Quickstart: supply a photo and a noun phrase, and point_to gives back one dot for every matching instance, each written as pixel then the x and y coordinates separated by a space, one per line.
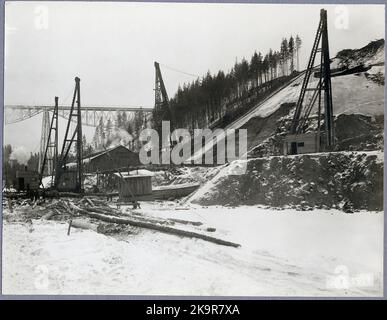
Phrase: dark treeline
pixel 203 101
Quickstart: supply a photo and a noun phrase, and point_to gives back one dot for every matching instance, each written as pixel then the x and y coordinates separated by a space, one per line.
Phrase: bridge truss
pixel 91 115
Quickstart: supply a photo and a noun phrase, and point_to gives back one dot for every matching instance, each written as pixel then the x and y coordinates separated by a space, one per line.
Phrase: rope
pixel 68 96
pixel 183 72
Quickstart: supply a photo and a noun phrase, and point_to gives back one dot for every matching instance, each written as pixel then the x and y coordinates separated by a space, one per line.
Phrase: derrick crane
pixel 161 96
pixel 50 145
pixel 162 107
pixel 72 138
pixel 323 90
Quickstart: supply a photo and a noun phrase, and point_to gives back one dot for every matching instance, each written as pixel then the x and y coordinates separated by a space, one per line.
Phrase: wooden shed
pixel 301 143
pixel 27 180
pixel 137 183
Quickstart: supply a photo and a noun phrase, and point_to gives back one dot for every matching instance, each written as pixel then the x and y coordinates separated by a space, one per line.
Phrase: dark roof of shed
pixel 100 153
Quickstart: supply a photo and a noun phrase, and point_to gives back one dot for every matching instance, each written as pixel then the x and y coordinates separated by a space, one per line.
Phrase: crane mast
pixel 322 91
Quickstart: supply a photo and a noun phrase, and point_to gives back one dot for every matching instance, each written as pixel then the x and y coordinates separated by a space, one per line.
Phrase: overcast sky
pixel 112 46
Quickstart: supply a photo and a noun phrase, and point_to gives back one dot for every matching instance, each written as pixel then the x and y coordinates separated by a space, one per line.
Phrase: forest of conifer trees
pixel 199 103
pixel 122 129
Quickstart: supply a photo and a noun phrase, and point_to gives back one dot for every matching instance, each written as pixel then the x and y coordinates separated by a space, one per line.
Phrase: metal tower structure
pixel 162 106
pixel 161 96
pixel 50 146
pixel 73 138
pixel 44 136
pixel 322 91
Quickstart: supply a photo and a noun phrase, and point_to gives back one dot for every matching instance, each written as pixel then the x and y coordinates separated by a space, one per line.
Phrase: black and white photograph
pixel 193 149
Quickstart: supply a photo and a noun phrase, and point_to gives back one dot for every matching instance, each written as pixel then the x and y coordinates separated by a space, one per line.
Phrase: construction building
pixel 301 143
pixel 135 183
pixel 26 180
pixel 110 160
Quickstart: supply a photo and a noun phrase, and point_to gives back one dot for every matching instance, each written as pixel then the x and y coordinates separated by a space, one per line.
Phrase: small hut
pixel 27 180
pixel 301 143
pixel 135 183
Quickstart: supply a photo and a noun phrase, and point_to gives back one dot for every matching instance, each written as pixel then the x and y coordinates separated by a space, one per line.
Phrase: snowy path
pixel 282 253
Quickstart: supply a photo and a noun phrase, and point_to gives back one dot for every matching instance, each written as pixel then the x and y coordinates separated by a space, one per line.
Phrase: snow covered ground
pixel 314 253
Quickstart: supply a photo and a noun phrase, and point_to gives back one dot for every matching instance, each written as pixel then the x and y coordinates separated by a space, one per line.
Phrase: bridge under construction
pixel 91 115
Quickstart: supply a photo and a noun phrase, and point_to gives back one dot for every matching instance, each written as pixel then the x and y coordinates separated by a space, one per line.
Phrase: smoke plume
pixel 119 137
pixel 20 154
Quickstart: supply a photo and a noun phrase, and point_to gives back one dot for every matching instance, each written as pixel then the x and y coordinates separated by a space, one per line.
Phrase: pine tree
pixel 7 150
pixel 284 56
pixel 124 120
pixel 254 69
pixel 270 63
pixel 33 161
pixel 260 67
pixel 298 46
pixel 291 53
pixel 138 122
pixel 84 144
pixel 265 67
pixel 244 74
pixel 277 61
pixel 109 129
pixel 96 138
pixel 118 121
pixel 129 128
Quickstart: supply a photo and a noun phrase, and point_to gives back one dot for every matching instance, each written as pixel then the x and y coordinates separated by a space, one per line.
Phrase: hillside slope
pixel 359 94
pixel 347 181
pixel 355 95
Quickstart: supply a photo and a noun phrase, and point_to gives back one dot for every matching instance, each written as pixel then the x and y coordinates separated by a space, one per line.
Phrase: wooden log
pixel 97 201
pixel 150 220
pixel 157 227
pixel 83 200
pixel 57 211
pixel 69 194
pixel 109 211
pixel 83 224
pixel 194 223
pixel 89 201
pixel 65 205
pixel 48 216
pixel 75 207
